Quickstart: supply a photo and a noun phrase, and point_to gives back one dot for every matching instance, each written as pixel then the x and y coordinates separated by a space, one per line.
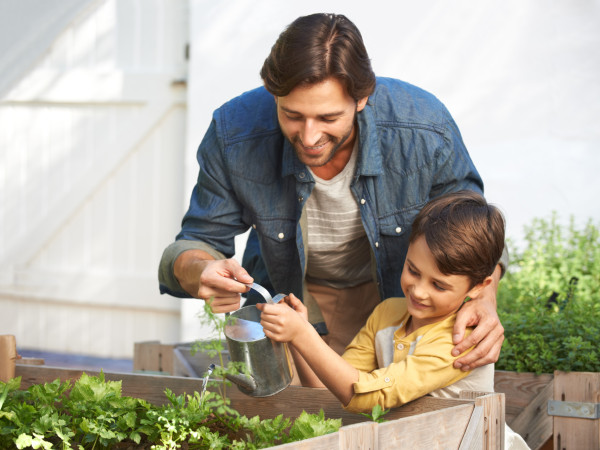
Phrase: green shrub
pixel 549 300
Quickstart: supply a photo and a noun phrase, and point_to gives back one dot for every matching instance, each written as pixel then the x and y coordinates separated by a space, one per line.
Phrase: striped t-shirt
pixel 338 249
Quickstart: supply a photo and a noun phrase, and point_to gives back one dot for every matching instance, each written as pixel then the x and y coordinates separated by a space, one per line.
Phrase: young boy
pixel 404 350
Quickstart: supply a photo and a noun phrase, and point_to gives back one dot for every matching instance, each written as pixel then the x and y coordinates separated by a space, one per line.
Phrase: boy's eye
pixel 412 271
pixel 439 288
pixel 328 120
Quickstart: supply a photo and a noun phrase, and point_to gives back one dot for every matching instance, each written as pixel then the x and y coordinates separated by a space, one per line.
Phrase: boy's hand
pixel 297 305
pixel 488 334
pixel 284 321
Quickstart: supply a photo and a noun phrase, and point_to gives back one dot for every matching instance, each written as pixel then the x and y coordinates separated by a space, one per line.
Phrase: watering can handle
pixel 262 291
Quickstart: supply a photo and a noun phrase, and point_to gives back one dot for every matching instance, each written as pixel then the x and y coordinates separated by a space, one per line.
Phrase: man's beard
pixel 337 143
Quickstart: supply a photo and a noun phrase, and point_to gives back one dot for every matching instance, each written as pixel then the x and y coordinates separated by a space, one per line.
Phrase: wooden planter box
pixel 426 423
pixel 557 410
pixel 527 395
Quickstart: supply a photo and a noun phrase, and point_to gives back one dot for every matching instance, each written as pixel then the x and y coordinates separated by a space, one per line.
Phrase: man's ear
pixel 475 290
pixel 360 105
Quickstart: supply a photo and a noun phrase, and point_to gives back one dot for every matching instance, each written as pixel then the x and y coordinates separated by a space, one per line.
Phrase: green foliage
pixel 376 414
pixel 215 347
pixel 549 300
pixel 92 414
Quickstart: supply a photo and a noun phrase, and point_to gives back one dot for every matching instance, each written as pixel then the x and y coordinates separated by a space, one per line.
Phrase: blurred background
pixel 104 102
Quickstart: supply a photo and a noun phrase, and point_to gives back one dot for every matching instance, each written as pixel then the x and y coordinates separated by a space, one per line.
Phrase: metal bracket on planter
pixel 574 409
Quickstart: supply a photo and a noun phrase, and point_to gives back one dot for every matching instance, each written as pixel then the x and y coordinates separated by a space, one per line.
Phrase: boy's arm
pixel 307 377
pixel 283 324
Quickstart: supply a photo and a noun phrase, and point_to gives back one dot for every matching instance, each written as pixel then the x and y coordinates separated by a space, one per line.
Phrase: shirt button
pixel 254 226
pixel 398 229
pixel 362 201
pixel 280 235
pixel 386 379
pixel 377 244
pixel 300 199
pixel 302 175
pixel 400 346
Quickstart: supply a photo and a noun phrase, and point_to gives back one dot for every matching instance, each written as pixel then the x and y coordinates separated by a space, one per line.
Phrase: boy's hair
pixel 464 233
pixel 314 48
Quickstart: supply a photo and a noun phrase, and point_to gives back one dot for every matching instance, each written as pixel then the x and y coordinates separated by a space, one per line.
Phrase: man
pixel 328 165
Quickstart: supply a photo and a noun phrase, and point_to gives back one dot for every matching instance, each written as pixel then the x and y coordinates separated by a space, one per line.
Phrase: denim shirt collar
pixel 369 158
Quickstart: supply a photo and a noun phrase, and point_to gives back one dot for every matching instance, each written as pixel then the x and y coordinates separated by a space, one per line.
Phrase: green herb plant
pixel 215 348
pixel 376 414
pixel 92 414
pixel 549 300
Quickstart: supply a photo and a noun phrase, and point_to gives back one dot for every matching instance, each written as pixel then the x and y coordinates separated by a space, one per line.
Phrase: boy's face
pixel 431 296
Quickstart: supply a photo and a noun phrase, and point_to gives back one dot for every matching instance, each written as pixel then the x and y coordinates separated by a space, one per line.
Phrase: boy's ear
pixel 475 290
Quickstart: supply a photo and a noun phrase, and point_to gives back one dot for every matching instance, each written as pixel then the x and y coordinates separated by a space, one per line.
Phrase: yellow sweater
pixel 395 369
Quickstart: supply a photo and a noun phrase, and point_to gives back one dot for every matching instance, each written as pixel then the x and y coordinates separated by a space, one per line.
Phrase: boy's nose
pixel 419 292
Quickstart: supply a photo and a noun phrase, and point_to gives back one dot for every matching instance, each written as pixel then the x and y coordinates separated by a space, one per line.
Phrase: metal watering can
pixel 268 362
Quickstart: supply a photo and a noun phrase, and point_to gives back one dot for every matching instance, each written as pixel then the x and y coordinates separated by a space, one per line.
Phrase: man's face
pixel 318 120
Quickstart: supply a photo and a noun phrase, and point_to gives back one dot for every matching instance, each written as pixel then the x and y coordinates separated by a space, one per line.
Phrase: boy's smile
pixel 431 295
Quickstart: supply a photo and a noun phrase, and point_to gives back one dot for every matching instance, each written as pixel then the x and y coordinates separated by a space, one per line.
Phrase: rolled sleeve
pixel 168 283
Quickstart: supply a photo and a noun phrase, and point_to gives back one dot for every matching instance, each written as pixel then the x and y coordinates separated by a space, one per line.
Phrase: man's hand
pixel 488 334
pixel 221 281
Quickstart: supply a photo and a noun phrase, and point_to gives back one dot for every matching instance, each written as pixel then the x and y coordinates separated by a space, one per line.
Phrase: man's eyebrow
pixel 331 114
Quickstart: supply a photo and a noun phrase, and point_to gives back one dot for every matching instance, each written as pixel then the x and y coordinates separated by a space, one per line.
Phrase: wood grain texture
pixel 570 432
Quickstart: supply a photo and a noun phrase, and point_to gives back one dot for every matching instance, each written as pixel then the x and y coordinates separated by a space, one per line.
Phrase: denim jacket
pixel 410 150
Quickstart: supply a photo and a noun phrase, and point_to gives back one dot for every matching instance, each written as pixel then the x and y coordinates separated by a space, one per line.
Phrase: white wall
pixel 91 156
pixel 521 78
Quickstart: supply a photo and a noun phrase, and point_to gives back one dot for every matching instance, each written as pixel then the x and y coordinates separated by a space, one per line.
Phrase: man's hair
pixel 464 233
pixel 314 48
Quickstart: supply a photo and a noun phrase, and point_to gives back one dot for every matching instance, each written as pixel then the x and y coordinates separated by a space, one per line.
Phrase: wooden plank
pixel 32 361
pixel 442 429
pixel 152 356
pixel 570 432
pixel 520 389
pixel 360 436
pixel 534 424
pixel 474 438
pixel 290 402
pixel 493 411
pixel 8 356
pixel 327 442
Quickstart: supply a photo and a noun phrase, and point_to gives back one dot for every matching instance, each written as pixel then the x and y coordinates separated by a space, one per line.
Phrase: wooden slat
pixel 442 429
pixel 153 356
pixel 8 356
pixel 474 438
pixel 520 389
pixel 327 442
pixel 493 410
pixel 570 432
pixel 534 424
pixel 360 436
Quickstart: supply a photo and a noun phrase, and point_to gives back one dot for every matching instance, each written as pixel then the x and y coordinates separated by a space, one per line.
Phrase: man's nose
pixel 310 133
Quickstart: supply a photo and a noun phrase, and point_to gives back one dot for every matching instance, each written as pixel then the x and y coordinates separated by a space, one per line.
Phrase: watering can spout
pixel 246 382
